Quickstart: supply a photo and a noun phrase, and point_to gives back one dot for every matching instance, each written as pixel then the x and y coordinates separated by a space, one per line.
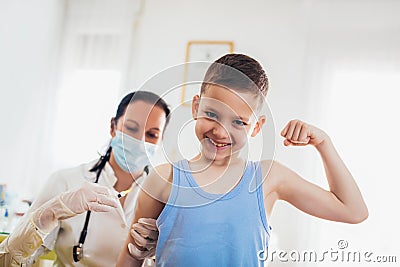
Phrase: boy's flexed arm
pixel 151 201
pixel 343 202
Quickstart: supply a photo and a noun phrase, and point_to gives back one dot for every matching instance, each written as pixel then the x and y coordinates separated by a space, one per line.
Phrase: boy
pixel 214 215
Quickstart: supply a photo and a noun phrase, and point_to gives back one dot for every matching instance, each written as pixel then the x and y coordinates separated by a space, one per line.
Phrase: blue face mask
pixel 131 154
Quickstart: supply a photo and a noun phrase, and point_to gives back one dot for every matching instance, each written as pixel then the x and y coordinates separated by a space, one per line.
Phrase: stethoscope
pixel 77 250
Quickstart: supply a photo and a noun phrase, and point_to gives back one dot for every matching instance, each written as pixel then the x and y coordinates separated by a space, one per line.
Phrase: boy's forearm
pixel 341 182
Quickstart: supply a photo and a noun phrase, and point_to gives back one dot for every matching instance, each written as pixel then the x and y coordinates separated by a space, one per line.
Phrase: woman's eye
pixel 132 129
pixel 153 135
pixel 211 115
pixel 239 123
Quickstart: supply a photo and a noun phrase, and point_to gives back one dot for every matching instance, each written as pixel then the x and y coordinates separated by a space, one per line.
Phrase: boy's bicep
pixel 154 193
pixel 304 195
pixel 147 207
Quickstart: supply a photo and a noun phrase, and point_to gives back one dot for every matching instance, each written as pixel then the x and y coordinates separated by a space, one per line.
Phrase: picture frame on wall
pixel 199 55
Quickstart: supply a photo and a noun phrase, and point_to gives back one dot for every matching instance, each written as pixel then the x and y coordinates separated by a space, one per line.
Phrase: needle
pixel 124 193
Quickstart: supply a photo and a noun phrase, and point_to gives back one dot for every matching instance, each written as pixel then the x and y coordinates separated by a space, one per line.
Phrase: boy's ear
pixel 195 106
pixel 259 124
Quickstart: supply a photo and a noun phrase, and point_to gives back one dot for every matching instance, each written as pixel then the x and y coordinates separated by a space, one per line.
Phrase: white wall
pixel 29 40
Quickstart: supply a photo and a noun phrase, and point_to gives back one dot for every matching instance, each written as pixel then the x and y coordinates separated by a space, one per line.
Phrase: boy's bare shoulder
pixel 267 166
pixel 158 182
pixel 164 170
pixel 271 167
pixel 276 174
pixel 271 173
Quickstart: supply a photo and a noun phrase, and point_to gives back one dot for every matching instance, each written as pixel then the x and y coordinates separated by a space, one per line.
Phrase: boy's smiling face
pixel 225 120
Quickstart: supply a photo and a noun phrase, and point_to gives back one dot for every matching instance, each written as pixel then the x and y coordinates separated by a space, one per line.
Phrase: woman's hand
pixel 89 196
pixel 299 133
pixel 145 235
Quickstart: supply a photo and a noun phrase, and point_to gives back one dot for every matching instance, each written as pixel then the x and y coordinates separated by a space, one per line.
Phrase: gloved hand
pixel 145 235
pixel 89 196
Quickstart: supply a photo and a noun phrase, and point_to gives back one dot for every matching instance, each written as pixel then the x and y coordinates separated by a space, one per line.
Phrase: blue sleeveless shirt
pixel 197 228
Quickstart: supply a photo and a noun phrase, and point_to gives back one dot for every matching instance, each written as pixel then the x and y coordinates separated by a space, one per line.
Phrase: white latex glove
pixel 145 235
pixel 89 196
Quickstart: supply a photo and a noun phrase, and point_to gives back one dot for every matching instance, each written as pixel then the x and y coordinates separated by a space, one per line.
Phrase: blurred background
pixel 65 64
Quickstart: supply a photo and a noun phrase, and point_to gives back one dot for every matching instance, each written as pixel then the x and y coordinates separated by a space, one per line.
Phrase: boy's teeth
pixel 218 145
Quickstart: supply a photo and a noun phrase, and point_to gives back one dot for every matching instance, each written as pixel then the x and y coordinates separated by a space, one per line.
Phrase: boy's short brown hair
pixel 237 72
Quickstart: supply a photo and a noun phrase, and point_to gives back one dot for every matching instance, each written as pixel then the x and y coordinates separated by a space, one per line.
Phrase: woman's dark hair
pixel 144 96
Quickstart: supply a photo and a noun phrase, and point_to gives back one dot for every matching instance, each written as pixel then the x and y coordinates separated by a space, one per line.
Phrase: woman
pixel 61 216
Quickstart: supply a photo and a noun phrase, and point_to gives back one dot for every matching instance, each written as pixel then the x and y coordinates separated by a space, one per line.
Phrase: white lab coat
pixel 107 231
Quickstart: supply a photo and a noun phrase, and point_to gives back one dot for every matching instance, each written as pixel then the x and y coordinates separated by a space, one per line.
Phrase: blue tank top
pixel 197 228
